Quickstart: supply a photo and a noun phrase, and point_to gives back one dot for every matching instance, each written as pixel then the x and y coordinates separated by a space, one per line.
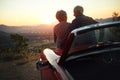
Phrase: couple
pixel 63 28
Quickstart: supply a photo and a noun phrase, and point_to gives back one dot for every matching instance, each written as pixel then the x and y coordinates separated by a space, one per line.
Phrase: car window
pixel 88 39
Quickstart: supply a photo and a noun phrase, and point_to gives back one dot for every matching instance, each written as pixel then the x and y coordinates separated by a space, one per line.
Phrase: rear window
pixel 86 40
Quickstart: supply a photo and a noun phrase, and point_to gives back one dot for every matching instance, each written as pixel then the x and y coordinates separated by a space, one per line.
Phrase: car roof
pixel 94 26
pixel 82 30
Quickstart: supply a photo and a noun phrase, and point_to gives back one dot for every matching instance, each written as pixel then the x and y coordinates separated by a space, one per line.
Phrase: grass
pixel 50 45
pixel 22 66
pixel 9 56
pixel 21 58
pixel 19 66
pixel 17 70
pixel 26 56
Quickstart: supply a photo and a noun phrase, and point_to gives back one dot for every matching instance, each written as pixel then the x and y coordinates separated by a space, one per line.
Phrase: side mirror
pixel 40 65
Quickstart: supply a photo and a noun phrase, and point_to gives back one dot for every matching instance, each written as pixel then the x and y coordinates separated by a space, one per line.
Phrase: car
pixel 90 52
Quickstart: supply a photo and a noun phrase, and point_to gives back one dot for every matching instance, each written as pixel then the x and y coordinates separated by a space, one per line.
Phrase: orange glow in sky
pixel 32 12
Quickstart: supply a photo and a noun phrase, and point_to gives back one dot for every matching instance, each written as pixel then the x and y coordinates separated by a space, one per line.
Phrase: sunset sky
pixel 34 12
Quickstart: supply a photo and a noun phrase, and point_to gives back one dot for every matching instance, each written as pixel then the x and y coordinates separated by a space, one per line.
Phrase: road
pixel 15 70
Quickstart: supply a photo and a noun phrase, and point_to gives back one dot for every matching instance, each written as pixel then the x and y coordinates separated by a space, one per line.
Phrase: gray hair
pixel 79 9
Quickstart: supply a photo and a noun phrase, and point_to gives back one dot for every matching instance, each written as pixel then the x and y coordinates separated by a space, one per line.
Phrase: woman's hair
pixel 61 15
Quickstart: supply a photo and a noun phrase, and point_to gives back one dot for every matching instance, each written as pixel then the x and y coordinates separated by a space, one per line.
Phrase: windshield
pixel 93 38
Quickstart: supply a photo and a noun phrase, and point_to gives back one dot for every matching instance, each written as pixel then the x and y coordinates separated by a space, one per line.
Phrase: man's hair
pixel 60 15
pixel 79 9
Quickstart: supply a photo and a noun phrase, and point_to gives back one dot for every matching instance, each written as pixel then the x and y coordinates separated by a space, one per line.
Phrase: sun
pixel 48 21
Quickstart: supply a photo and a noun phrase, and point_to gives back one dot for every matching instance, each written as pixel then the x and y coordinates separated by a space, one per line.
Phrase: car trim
pixel 92 53
pixel 66 47
pixel 53 60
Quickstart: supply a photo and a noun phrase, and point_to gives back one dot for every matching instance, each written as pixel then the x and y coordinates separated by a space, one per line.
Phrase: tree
pixel 21 43
pixel 115 16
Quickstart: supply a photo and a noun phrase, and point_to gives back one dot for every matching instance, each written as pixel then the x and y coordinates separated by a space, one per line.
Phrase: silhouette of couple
pixel 63 28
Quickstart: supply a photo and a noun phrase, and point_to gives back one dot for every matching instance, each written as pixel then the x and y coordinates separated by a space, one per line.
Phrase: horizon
pixel 52 24
pixel 36 12
pixel 35 25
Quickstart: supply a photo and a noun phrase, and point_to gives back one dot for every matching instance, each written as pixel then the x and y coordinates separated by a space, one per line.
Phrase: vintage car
pixel 90 53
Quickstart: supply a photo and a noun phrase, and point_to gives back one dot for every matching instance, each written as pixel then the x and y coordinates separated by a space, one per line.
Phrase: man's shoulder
pixel 90 19
pixel 85 17
pixel 81 18
pixel 82 21
pixel 59 25
pixel 62 24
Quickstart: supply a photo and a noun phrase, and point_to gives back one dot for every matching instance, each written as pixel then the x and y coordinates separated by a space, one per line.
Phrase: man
pixel 79 21
pixel 61 28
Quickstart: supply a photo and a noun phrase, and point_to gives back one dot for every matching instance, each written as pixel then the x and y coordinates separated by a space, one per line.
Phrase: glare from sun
pixel 48 21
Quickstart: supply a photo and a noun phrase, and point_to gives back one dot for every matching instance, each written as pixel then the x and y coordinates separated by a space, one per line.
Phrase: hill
pixel 5 41
pixel 37 35
pixel 43 29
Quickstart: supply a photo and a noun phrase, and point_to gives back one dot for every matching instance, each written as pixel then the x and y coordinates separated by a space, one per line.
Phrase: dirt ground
pixel 17 70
